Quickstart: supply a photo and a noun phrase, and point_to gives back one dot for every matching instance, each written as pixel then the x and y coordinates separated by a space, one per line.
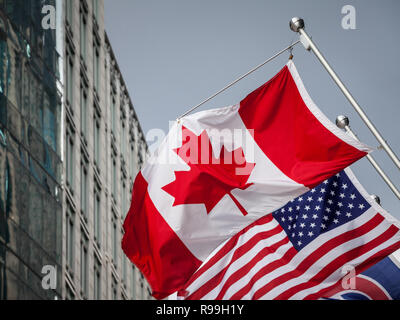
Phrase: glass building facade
pixel 30 163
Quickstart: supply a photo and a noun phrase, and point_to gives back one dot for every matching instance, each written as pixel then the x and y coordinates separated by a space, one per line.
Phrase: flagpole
pixel 238 79
pixel 343 123
pixel 297 25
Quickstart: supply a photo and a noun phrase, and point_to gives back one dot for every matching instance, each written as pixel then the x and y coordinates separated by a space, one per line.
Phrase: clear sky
pixel 173 54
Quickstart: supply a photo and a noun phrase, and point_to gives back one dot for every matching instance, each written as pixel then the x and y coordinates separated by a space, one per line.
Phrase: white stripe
pixel 241 283
pixel 219 265
pixel 328 258
pixel 247 257
pixel 337 275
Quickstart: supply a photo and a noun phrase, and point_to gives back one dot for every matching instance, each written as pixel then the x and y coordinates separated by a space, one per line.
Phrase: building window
pixel 123 138
pixel 84 190
pixel 69 159
pixel 124 270
pixel 124 204
pixel 69 293
pixel 95 8
pixel 133 283
pixel 97 280
pixel 132 162
pixel 69 10
pixel 84 113
pixel 84 266
pixel 83 36
pixel 114 239
pixel 96 143
pixel 113 117
pixel 114 178
pixel 69 80
pixel 114 289
pixel 70 219
pixel 96 68
pixel 97 216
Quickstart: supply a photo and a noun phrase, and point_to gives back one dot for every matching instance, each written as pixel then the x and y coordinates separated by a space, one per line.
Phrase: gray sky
pixel 175 53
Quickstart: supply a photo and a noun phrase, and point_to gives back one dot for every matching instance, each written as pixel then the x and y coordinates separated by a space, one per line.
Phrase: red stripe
pixel 246 269
pixel 232 242
pixel 303 149
pixel 239 252
pixel 318 253
pixel 153 246
pixel 338 262
pixel 326 292
pixel 286 258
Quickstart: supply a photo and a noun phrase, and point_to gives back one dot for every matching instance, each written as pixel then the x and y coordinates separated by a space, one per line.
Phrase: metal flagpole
pixel 238 79
pixel 343 123
pixel 297 25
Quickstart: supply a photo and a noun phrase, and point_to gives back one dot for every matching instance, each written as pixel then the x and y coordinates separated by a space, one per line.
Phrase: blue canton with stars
pixel 332 203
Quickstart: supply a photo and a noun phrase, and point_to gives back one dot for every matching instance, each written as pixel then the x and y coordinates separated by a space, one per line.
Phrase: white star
pixel 300 199
pixel 361 206
pixel 283 210
pixel 294 226
pixel 290 209
pixel 309 199
pixel 300 234
pixel 327 209
pixel 323 226
pixel 313 190
pixel 337 213
pixel 297 207
pixel 289 227
pixel 305 216
pixel 353 196
pixel 315 216
pixel 342 195
pixel 348 214
pixel 330 201
pixel 310 234
pixel 302 225
pixel 335 184
pixel 320 199
pixel 344 186
pixel 336 221
pixel 312 225
pixel 290 218
pixel 323 190
pixel 350 206
pixel 332 193
pixel 283 219
pixel 338 175
pixel 317 208
pixel 307 208
pixel 326 182
pixel 293 234
pixel 325 218
pixel 299 243
pixel 340 204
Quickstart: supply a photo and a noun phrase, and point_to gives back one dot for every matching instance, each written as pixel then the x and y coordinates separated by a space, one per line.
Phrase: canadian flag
pixel 220 170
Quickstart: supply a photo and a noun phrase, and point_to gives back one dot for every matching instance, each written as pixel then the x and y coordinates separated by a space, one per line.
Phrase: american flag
pixel 299 251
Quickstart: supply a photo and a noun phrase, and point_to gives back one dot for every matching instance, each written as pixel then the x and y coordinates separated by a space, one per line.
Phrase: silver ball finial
pixel 376 198
pixel 296 24
pixel 342 122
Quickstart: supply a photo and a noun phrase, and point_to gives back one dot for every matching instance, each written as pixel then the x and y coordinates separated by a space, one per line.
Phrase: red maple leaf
pixel 209 178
